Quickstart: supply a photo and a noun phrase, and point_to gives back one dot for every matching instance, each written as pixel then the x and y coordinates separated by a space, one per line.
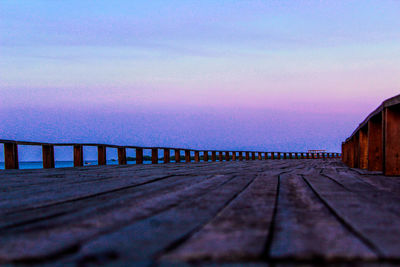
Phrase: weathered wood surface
pixel 267 212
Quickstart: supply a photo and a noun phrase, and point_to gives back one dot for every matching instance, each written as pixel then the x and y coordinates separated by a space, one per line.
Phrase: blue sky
pixel 280 75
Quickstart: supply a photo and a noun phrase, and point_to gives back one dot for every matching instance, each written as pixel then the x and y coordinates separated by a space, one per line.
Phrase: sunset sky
pixel 262 75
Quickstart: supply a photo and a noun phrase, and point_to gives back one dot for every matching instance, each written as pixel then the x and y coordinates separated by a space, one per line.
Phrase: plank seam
pixel 268 244
pixel 347 225
pixel 74 200
pixel 183 239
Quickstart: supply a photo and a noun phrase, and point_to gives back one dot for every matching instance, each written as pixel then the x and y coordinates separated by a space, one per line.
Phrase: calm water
pixel 63 164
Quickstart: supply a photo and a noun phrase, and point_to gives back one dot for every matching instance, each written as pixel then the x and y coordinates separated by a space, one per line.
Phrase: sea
pixel 64 164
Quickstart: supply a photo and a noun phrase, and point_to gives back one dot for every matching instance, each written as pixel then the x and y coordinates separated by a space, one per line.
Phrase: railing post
pixel 259 156
pixel 363 148
pixel 296 155
pixel 121 155
pixel 177 155
pixel 101 155
pixel 48 156
pixel 139 155
pixel 197 156
pixel 220 156
pixel 356 150
pixel 247 155
pixel 78 155
pixel 205 156
pixel 343 152
pixel 351 153
pixel 11 156
pixel 227 156
pixel 375 144
pixel 240 155
pixel 253 155
pixel 213 156
pixel 391 141
pixel 187 155
pixel 167 155
pixel 272 155
pixel 290 155
pixel 233 155
pixel 154 156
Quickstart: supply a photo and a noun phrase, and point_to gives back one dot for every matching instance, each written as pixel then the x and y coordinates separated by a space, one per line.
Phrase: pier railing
pixel 12 162
pixel 375 144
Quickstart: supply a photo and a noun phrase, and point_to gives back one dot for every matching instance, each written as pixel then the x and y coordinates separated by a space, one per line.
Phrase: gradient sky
pixel 270 75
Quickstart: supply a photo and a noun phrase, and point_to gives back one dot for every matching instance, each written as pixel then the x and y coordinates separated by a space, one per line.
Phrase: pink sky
pixel 298 76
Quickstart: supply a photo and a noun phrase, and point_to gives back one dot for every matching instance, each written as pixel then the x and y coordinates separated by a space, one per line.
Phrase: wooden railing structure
pixel 375 144
pixel 12 162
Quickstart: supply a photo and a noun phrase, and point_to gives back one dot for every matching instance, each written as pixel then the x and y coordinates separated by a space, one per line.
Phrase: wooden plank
pixel 102 155
pixel 365 218
pixel 48 156
pixel 71 185
pixel 313 230
pixel 253 155
pixel 234 156
pixel 108 214
pixel 239 232
pixel 137 242
pixel 46 214
pixel 240 156
pixel 11 156
pixel 197 156
pixel 247 155
pixel 259 156
pixel 353 181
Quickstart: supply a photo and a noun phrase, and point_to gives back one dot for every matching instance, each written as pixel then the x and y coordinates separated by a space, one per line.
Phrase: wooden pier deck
pixel 262 212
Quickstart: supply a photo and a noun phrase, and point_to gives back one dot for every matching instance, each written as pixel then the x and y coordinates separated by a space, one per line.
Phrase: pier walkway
pixel 268 212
